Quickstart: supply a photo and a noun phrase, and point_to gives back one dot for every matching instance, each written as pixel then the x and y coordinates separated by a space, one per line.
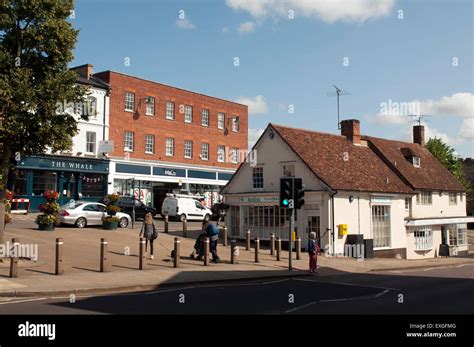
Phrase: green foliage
pixel 46 219
pixel 36 43
pixel 445 154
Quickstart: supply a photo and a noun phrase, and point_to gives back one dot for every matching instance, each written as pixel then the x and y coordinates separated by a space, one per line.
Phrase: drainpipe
pixel 333 226
pixel 358 213
pixel 103 122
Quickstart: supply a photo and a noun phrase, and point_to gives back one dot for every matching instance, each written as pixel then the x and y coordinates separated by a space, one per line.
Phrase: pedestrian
pixel 149 231
pixel 213 233
pixel 313 249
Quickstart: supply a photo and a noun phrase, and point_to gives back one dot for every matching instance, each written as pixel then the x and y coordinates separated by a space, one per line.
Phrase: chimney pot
pixel 419 134
pixel 350 128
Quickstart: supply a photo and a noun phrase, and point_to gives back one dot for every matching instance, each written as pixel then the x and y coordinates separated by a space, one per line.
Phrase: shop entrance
pixel 313 224
pixel 159 194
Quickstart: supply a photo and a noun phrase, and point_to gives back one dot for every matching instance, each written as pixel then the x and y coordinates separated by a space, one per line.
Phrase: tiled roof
pixel 92 81
pixel 325 155
pixel 430 175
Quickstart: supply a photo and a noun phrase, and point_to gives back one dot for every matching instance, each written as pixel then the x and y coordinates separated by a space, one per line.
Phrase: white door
pixel 312 222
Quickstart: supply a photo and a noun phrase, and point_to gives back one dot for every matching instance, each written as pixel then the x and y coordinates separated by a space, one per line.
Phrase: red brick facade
pixel 141 124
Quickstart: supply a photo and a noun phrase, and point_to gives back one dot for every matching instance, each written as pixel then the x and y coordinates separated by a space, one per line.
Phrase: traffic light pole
pixel 290 239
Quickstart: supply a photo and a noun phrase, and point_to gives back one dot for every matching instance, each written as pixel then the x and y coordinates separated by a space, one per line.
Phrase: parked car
pixel 126 204
pixel 82 214
pixel 185 208
pixel 219 211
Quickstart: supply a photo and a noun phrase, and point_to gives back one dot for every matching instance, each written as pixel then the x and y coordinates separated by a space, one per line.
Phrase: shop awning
pixel 438 221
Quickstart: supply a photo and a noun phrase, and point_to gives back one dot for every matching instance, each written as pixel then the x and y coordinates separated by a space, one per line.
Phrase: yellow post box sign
pixel 342 229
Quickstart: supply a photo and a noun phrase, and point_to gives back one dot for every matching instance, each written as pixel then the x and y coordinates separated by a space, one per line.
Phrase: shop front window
pixel 43 181
pixel 20 187
pixel 92 186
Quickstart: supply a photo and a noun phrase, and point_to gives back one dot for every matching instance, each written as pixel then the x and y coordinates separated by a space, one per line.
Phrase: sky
pixel 391 58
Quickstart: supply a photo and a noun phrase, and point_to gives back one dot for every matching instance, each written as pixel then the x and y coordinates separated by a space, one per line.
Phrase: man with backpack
pixel 213 233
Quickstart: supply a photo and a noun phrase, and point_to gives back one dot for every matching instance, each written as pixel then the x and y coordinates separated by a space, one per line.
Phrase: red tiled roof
pixel 430 175
pixel 324 154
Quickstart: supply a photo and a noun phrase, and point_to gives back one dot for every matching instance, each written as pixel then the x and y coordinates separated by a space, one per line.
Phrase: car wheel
pixel 182 218
pixel 123 222
pixel 207 217
pixel 81 222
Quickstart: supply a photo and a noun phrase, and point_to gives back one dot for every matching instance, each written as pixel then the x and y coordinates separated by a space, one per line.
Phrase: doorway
pixel 313 224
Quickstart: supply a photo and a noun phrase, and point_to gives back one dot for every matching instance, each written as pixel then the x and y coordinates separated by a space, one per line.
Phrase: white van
pixel 184 207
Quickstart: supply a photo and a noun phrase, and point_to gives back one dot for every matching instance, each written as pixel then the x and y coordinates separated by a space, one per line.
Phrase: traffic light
pixel 298 193
pixel 286 192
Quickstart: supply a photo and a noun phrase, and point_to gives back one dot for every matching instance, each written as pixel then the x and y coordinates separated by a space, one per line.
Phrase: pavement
pixel 81 263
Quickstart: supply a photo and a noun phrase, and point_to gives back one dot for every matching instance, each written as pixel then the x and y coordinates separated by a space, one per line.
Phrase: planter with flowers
pixel 110 222
pixel 50 208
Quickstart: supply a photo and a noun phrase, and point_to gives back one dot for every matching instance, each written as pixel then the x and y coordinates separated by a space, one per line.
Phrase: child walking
pixel 149 231
pixel 313 249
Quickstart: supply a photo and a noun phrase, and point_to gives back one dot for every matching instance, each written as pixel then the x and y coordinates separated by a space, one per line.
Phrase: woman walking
pixel 313 249
pixel 149 231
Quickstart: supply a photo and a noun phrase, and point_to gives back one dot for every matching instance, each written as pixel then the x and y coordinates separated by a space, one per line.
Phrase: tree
pixel 36 43
pixel 445 154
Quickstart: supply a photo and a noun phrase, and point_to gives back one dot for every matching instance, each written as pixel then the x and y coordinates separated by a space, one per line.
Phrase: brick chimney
pixel 350 128
pixel 86 70
pixel 419 134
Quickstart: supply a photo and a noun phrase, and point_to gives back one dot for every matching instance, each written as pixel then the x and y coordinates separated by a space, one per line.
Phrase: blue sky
pixel 424 59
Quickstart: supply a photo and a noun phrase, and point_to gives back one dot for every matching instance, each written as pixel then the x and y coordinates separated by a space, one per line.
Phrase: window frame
pixel 425 197
pixel 186 114
pixel 223 154
pixel 235 124
pixel 170 109
pixel 382 225
pixel 257 177
pixel 416 161
pixel 188 148
pixel 147 104
pixel 205 124
pixel 236 151
pixel 424 240
pixel 203 145
pixel 90 142
pixel 152 137
pixel 219 120
pixel 125 148
pixel 167 147
pixel 132 109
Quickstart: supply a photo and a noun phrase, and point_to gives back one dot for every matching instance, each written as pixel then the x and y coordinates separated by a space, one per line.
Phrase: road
pixel 421 291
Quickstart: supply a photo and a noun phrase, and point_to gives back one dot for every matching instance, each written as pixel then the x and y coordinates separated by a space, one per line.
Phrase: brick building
pixel 169 139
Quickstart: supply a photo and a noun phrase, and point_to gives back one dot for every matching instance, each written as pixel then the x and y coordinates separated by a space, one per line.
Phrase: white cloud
pixel 327 10
pixel 387 119
pixel 467 130
pixel 459 104
pixel 185 23
pixel 246 27
pixel 225 29
pixel 254 135
pixel 256 104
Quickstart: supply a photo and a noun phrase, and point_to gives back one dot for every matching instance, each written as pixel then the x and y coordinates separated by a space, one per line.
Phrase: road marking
pixel 448 266
pixel 347 284
pixel 336 300
pixel 20 301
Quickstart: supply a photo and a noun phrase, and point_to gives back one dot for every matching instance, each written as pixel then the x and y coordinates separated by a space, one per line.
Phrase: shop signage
pixel 171 172
pixel 259 199
pixel 65 164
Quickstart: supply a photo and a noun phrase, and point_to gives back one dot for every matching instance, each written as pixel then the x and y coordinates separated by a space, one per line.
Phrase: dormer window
pixel 416 161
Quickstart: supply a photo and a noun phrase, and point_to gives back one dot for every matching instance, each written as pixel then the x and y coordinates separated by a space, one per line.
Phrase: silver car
pixel 82 213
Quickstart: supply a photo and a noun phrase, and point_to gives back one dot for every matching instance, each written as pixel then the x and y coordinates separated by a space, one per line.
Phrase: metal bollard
pixel 59 257
pixel 185 228
pixel 257 249
pixel 272 244
pixel 166 224
pixel 141 253
pixel 247 240
pixel 233 251
pixel 176 252
pixel 278 248
pixel 103 255
pixel 206 251
pixel 224 237
pixel 14 258
pixel 298 248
